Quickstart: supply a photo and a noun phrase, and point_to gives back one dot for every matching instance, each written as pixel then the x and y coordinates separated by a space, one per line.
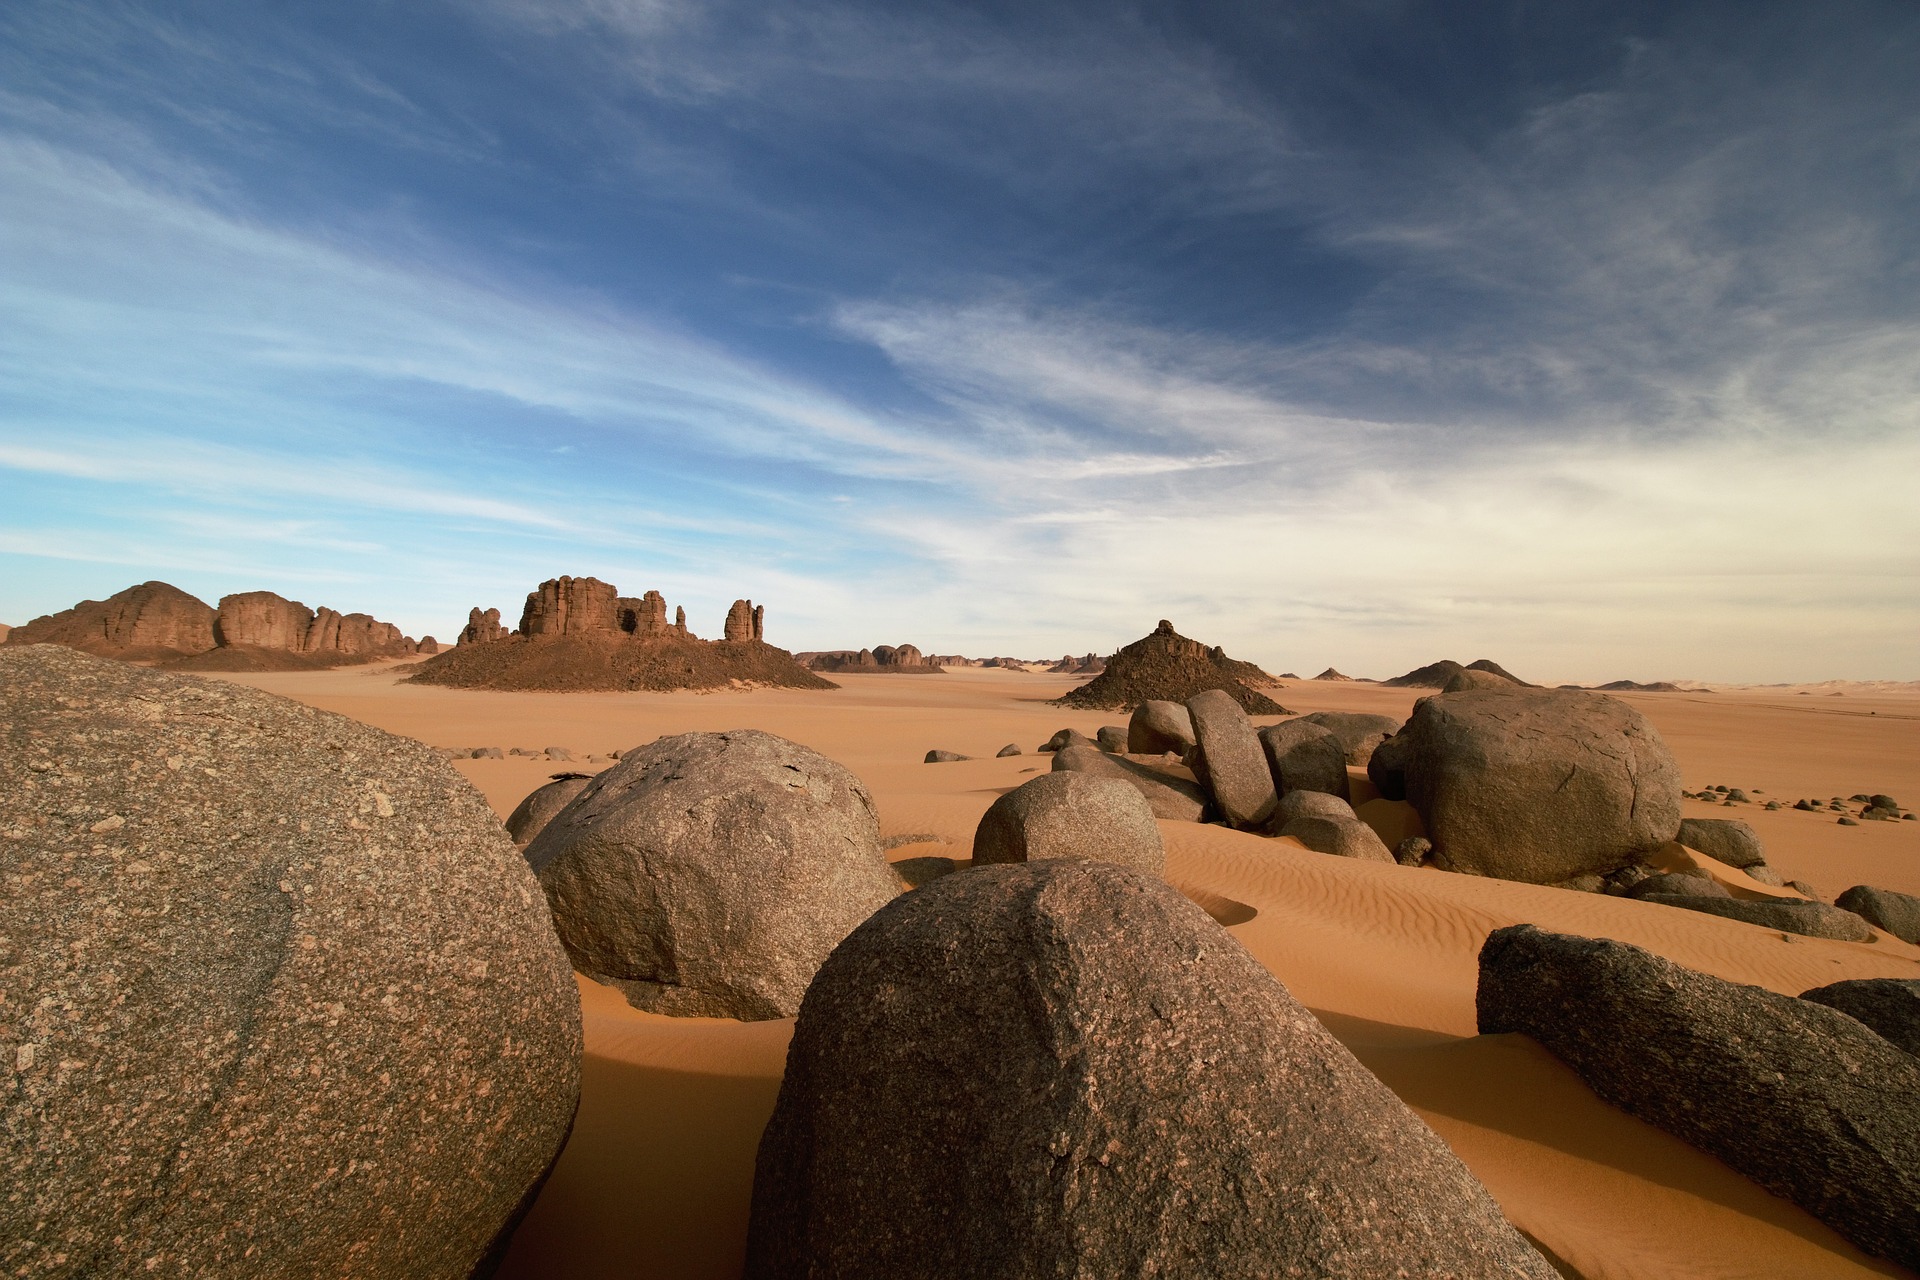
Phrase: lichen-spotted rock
pixel 281 997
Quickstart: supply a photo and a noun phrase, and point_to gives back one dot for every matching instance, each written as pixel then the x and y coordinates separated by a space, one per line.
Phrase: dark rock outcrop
pixel 1068 1069
pixel 531 816
pixel 1788 915
pixel 1897 913
pixel 1168 795
pixel 282 998
pixel 1070 814
pixel 1727 840
pixel 1804 1100
pixel 1538 785
pixel 1304 757
pixel 709 874
pixel 1889 1006
pixel 1169 667
pixel 1229 760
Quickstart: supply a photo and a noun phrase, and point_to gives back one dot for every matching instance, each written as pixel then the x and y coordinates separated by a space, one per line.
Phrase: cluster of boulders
pixel 281 997
pixel 556 754
pixel 157 624
pixel 1872 808
pixel 1812 1098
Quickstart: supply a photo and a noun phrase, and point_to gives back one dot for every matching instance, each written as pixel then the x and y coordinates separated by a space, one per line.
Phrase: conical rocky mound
pixel 1435 675
pixel 580 635
pixel 1169 667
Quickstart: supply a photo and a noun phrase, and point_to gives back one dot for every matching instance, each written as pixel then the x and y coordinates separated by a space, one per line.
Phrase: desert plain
pixel 656 1177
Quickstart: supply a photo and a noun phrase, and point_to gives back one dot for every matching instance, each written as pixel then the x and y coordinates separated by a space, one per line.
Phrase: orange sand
pixel 656 1179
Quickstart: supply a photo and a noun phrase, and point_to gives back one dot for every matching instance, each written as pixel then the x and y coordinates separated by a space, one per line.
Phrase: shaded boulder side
pixel 1070 814
pixel 531 816
pixel 1159 726
pixel 1068 1069
pixel 1304 757
pixel 1359 732
pixel 1727 840
pixel 1802 1099
pixel 709 874
pixel 1539 785
pixel 1339 837
pixel 1889 1006
pixel 1789 915
pixel 253 946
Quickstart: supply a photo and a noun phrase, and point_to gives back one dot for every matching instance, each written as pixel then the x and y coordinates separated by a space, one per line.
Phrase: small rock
pixel 1413 851
pixel 1847 822
pixel 1011 749
pixel 1883 802
pixel 944 757
pixel 1067 738
pixel 1675 883
pixel 1765 875
pixel 1737 796
pixel 489 753
pixel 560 754
pixel 1112 738
pixel 1070 814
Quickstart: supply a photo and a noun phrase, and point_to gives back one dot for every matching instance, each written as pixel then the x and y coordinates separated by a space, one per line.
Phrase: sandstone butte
pixel 156 624
pixel 886 659
pixel 581 635
pixel 1169 667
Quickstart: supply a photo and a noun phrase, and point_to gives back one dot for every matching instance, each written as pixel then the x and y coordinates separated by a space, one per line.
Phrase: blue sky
pixel 1583 336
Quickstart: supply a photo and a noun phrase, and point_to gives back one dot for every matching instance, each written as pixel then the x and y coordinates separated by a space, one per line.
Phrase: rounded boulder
pixel 1071 814
pixel 531 815
pixel 709 874
pixel 282 997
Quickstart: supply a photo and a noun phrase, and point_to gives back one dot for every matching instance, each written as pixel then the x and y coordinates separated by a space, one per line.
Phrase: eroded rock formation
pixel 153 621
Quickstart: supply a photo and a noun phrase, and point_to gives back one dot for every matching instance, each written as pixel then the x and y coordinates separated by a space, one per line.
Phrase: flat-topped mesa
pixel 567 606
pixel 482 628
pixel 1167 666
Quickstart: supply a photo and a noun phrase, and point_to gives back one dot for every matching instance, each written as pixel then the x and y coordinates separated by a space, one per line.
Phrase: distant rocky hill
pixel 1091 664
pixel 1436 674
pixel 157 624
pixel 1166 665
pixel 581 635
pixel 902 659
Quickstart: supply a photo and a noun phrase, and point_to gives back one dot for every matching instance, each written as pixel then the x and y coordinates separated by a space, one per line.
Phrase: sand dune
pixel 655 1181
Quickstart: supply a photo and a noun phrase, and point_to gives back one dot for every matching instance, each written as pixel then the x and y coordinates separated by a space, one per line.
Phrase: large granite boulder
pixel 531 816
pixel 1804 1100
pixel 281 997
pixel 1727 840
pixel 709 874
pixel 1897 913
pixel 1890 1006
pixel 1230 762
pixel 1070 814
pixel 1540 785
pixel 1168 795
pixel 1304 757
pixel 1067 1069
pixel 1359 732
pixel 1158 726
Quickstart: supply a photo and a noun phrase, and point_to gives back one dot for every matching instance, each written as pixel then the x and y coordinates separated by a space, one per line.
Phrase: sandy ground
pixel 656 1179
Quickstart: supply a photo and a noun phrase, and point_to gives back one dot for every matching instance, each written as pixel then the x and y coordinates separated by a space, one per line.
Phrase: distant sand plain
pixel 656 1178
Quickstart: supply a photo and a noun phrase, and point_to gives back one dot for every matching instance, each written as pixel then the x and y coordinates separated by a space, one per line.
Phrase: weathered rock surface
pixel 152 621
pixel 937 756
pixel 1304 757
pixel 530 817
pixel 1387 766
pixel 1301 804
pixel 1068 738
pixel 1112 738
pixel 567 606
pixel 1341 837
pixel 263 619
pixel 1230 762
pixel 1168 795
pixel 1412 851
pixel 881 659
pixel 1806 1101
pixel 1011 749
pixel 1068 1069
pixel 709 874
pixel 1727 840
pixel 1171 668
pixel 482 627
pixel 1071 814
pixel 1671 884
pixel 1889 1006
pixel 1539 785
pixel 1810 919
pixel 739 623
pixel 282 999
pixel 1158 726
pixel 1897 913
pixel 1467 678
pixel 1359 732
